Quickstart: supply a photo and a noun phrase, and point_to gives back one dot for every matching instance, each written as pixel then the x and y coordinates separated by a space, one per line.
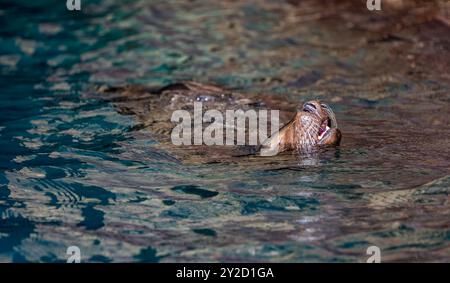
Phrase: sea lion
pixel 312 127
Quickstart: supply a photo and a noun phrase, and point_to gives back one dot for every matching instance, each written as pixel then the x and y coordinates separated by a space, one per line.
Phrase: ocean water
pixel 75 171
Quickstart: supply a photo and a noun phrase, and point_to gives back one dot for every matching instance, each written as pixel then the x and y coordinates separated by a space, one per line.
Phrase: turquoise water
pixel 75 171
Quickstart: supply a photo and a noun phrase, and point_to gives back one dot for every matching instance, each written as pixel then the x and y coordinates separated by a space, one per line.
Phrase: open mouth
pixel 327 123
pixel 324 129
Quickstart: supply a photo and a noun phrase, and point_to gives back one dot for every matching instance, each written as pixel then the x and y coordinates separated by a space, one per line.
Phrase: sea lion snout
pixel 317 108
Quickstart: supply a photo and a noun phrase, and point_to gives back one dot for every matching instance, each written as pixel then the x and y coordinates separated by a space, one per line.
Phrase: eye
pixel 325 105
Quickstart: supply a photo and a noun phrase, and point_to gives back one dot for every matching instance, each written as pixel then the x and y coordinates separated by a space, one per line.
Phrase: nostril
pixel 309 107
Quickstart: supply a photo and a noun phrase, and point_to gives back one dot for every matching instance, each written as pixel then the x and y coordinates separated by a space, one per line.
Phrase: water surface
pixel 75 171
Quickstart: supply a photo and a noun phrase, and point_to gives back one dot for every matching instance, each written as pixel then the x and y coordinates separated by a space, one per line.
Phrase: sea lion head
pixel 317 125
pixel 313 126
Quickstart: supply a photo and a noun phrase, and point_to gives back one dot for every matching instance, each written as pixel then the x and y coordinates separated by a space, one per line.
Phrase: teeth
pixel 324 132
